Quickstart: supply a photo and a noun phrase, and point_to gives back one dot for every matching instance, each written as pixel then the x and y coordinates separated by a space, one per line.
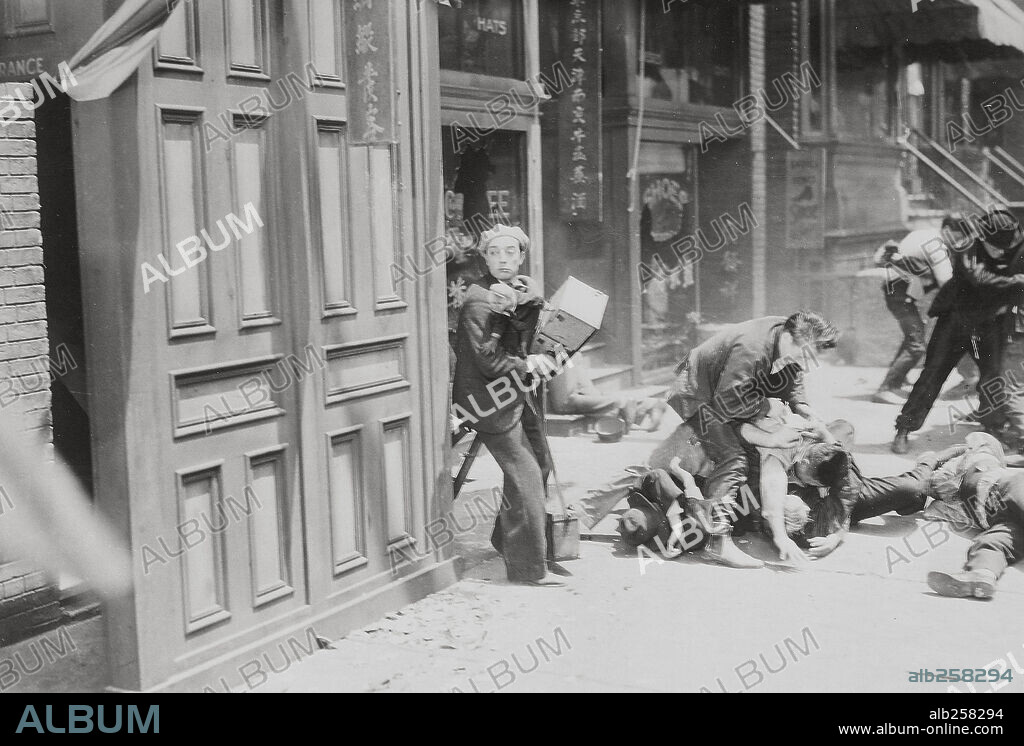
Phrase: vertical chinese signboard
pixel 579 111
pixel 368 50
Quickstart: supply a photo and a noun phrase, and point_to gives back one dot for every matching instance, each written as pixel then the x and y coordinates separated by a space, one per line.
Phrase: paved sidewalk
pixel 858 620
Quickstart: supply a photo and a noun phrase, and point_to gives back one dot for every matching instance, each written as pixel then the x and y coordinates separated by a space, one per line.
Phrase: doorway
pixel 59 227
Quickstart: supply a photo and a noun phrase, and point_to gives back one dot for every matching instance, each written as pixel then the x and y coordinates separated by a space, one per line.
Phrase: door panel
pixel 287 425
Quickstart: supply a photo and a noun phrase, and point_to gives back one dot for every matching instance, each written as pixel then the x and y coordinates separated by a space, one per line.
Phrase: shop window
pixel 693 53
pixel 863 97
pixel 485 184
pixel 483 37
pixel 669 302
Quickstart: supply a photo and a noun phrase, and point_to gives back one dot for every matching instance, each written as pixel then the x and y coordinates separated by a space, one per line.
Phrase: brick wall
pixel 28 604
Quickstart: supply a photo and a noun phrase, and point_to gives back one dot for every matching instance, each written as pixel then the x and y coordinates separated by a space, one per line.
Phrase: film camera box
pixel 572 316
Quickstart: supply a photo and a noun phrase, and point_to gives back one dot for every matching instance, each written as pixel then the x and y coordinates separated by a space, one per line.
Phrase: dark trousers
pixel 1003 543
pixel 875 496
pixel 1012 395
pixel 950 341
pixel 904 309
pixel 904 494
pixel 722 446
pixel 519 529
pixel 662 489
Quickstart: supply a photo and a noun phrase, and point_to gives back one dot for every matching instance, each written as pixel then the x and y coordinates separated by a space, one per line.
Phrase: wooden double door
pixel 267 432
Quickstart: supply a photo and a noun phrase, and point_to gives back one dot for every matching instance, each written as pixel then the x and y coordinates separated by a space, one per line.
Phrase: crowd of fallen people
pixel 751 454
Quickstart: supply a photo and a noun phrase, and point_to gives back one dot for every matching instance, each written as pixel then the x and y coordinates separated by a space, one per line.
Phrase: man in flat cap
pixel 494 393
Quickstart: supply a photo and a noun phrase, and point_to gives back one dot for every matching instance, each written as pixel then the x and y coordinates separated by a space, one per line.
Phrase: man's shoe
pixel 547 582
pixel 888 396
pixel 963 584
pixel 723 551
pixel 901 443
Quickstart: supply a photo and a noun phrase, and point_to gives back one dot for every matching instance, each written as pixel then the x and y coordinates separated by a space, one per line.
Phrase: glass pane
pixel 669 298
pixel 483 36
pixel 862 102
pixel 485 183
pixel 694 52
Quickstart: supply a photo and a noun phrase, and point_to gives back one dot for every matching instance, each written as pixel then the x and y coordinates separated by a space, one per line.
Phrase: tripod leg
pixel 467 464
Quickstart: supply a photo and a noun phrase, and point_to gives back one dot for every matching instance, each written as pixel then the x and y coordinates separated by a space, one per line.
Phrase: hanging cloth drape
pixel 117 49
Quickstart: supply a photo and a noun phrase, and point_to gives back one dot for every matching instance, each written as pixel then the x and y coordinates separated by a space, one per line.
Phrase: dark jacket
pixel 981 286
pixel 731 373
pixel 499 363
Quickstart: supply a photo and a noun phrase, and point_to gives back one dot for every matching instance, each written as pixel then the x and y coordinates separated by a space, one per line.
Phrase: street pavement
pixel 859 620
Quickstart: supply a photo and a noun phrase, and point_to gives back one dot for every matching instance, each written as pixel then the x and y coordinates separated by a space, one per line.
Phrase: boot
pixel 722 550
pixel 901 443
pixel 977 584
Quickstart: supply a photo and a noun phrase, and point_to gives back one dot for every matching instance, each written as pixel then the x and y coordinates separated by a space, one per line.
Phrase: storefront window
pixel 485 184
pixel 863 98
pixel 669 294
pixel 693 52
pixel 483 37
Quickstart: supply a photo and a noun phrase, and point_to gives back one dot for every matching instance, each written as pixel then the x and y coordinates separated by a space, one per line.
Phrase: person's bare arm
pixel 774 483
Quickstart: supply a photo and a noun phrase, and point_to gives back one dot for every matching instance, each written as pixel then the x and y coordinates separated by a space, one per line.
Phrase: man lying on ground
pixel 991 496
pixel 814 465
pixel 668 513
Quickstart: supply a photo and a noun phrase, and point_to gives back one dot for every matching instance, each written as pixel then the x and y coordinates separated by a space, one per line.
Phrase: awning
pixel 948 30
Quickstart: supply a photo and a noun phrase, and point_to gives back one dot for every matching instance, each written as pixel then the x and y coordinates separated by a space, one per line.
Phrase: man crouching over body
pixel 725 382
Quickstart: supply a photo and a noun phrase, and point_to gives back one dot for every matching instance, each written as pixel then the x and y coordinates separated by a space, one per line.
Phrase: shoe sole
pixel 947 585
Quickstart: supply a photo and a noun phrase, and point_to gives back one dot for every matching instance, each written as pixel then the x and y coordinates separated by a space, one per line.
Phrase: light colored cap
pixel 500 231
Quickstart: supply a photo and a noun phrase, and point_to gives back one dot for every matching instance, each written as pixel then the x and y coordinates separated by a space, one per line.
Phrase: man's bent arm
pixel 774 482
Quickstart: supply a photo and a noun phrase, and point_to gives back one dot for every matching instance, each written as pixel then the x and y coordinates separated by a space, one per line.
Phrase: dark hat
pixel 1001 229
pixel 643 521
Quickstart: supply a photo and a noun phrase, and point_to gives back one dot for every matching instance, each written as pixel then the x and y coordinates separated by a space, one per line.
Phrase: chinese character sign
pixel 368 53
pixel 579 110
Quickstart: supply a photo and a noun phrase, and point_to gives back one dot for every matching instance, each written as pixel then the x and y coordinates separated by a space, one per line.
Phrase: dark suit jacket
pixel 499 364
pixel 981 286
pixel 731 373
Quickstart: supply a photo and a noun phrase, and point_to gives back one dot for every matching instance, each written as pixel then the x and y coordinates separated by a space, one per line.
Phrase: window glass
pixel 484 37
pixel 693 52
pixel 863 98
pixel 485 184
